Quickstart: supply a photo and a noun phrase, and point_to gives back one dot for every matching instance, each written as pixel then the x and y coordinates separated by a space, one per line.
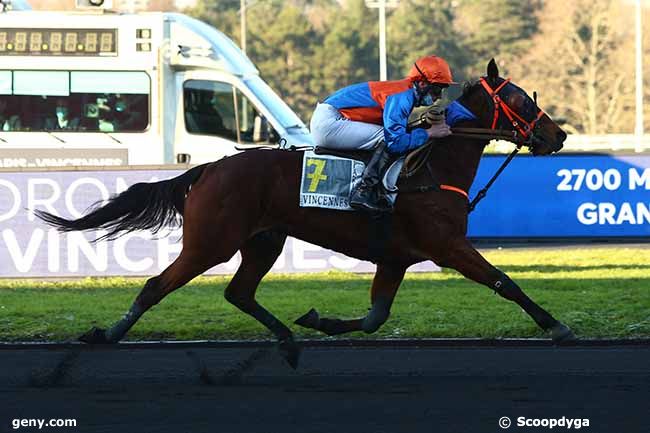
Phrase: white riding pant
pixel 331 129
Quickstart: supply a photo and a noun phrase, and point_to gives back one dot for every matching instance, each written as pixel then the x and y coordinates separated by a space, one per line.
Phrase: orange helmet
pixel 433 69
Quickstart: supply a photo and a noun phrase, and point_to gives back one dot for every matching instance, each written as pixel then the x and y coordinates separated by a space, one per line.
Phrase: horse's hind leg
pixel 186 267
pixel 465 259
pixel 259 253
pixel 202 249
pixel 384 288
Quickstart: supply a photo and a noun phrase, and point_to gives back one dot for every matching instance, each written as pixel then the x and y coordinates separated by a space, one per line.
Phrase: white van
pixel 93 87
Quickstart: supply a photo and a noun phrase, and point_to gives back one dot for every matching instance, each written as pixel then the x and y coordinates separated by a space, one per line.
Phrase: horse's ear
pixel 492 70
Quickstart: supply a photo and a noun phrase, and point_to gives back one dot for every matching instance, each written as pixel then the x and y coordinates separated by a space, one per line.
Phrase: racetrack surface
pixel 429 386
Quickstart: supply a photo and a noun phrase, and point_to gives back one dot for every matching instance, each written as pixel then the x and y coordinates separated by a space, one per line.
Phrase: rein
pixel 482 193
pixel 490 134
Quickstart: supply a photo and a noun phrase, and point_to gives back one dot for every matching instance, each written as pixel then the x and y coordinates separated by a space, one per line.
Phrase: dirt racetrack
pixel 402 386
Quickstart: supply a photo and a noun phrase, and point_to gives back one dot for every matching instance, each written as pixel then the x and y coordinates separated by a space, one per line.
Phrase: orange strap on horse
pixel 455 189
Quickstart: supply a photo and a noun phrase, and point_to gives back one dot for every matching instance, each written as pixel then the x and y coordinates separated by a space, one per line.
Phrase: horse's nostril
pixel 561 136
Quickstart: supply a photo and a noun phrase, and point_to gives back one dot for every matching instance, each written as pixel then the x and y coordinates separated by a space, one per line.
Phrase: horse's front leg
pixel 463 257
pixel 384 288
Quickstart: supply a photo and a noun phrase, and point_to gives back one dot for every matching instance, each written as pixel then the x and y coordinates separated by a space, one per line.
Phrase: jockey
pixel 374 115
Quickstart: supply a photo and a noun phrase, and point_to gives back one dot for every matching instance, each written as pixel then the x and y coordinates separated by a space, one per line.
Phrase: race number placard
pixel 327 181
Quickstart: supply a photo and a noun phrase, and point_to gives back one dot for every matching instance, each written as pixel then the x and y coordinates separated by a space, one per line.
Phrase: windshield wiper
pixel 112 137
pixel 58 138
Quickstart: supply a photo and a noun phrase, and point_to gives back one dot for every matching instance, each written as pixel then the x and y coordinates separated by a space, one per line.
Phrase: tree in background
pixel 220 14
pixel 646 67
pixel 578 64
pixel 423 27
pixel 499 29
pixel 349 51
pixel 624 60
pixel 280 42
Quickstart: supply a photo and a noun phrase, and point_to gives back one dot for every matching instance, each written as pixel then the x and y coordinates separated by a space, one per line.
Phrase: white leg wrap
pixel 117 331
pixel 376 317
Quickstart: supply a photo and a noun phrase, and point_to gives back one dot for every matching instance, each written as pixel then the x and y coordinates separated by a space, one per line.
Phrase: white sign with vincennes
pixel 29 248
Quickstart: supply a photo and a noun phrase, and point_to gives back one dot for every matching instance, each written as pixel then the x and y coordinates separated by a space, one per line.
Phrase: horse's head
pixel 500 104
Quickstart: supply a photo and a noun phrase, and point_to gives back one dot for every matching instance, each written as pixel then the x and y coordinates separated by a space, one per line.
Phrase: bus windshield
pixel 74 101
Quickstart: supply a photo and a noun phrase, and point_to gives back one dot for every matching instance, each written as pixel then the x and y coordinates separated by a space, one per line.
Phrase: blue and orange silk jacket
pixel 387 103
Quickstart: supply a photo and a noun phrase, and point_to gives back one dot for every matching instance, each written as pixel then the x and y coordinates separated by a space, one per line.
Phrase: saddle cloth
pixel 328 180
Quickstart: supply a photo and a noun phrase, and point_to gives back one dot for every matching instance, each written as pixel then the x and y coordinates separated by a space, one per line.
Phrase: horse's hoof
pixel 560 333
pixel 95 336
pixel 290 351
pixel 309 319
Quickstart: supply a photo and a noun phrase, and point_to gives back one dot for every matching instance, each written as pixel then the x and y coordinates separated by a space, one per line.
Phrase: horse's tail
pixel 144 206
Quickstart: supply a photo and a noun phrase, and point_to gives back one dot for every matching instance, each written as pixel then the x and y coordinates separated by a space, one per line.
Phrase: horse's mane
pixel 468 86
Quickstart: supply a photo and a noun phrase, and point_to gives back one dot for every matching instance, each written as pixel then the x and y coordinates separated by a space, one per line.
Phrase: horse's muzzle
pixel 560 136
pixel 540 145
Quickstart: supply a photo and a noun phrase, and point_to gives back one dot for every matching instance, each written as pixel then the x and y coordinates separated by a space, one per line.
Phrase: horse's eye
pixel 522 105
pixel 518 102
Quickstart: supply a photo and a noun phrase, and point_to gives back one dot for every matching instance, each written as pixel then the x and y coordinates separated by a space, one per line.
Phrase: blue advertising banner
pixel 566 196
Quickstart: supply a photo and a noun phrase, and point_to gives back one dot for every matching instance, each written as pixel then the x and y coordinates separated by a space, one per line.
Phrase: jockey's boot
pixel 370 194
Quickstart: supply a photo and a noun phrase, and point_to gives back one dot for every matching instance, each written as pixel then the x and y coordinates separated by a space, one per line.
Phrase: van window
pixel 5 83
pixel 73 101
pixel 220 109
pixel 209 108
pixel 51 83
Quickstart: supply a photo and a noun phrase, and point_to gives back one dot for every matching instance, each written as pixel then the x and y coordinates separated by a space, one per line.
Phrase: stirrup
pixel 370 203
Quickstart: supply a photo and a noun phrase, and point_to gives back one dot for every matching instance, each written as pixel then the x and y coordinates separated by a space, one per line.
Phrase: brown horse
pixel 249 203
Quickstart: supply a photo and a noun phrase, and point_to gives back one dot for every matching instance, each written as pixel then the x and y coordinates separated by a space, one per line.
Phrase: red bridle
pixel 515 119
